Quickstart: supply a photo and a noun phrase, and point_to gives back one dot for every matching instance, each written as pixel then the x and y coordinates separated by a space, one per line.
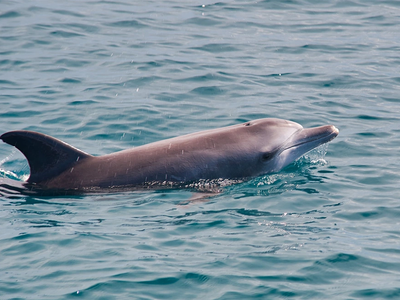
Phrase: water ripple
pixel 109 75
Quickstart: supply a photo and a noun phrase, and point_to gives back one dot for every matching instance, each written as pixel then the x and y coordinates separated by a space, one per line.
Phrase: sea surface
pixel 110 75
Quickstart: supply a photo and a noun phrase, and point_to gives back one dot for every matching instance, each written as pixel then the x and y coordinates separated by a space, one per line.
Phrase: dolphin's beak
pixel 312 137
pixel 305 140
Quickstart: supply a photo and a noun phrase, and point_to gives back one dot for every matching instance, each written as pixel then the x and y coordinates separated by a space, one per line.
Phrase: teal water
pixel 106 76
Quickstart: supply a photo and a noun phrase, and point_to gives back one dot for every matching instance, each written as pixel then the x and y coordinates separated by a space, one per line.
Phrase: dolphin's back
pixel 47 156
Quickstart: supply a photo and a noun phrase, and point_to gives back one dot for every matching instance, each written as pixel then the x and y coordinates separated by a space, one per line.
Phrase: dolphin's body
pixel 246 150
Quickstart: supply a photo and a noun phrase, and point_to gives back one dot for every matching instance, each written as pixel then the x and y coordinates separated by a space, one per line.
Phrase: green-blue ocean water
pixel 110 75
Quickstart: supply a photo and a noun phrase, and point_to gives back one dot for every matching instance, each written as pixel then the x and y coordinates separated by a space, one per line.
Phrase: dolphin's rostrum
pixel 240 151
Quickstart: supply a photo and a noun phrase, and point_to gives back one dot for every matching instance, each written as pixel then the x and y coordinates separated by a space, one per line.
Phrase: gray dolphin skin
pixel 240 151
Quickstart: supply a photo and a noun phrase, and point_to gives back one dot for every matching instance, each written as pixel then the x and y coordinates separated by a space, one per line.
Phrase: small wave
pixel 9 174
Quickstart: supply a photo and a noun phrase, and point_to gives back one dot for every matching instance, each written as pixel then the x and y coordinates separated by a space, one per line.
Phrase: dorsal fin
pixel 47 156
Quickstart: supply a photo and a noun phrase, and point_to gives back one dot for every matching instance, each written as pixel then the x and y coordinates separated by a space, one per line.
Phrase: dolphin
pixel 240 151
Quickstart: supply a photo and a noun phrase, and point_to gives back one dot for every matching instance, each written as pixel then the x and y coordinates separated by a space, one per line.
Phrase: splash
pixel 8 174
pixel 314 157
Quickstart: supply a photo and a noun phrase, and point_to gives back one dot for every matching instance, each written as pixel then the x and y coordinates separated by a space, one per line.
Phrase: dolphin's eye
pixel 247 124
pixel 267 156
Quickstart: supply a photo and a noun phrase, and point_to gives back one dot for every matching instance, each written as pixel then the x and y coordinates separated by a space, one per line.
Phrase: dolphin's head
pixel 287 141
pixel 280 142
